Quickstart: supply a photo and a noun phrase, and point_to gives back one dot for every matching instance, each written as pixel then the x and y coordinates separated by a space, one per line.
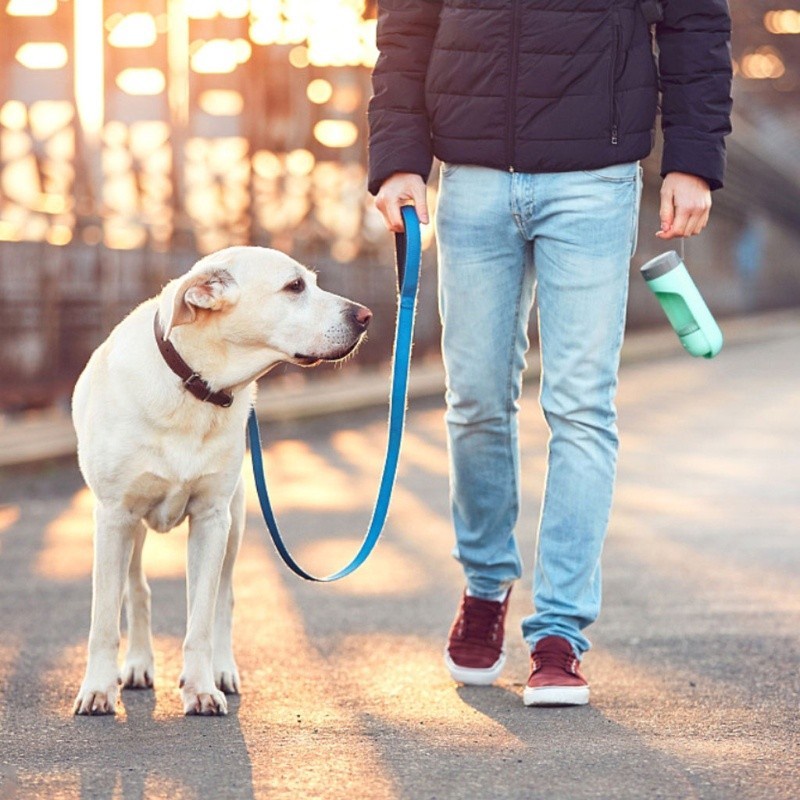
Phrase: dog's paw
pixel 226 677
pixel 96 702
pixel 138 672
pixel 205 704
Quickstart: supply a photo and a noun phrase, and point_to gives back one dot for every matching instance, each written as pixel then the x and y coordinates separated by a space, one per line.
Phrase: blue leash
pixel 409 251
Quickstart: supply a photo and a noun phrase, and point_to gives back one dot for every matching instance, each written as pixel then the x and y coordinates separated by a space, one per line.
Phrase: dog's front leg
pixel 138 670
pixel 208 537
pixel 113 545
pixel 226 673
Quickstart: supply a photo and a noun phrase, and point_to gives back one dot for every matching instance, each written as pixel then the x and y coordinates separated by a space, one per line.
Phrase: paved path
pixel 695 661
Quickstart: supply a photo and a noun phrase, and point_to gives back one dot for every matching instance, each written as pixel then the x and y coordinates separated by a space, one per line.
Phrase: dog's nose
pixel 361 316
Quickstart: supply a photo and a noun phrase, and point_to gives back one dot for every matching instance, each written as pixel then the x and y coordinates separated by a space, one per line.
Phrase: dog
pixel 152 451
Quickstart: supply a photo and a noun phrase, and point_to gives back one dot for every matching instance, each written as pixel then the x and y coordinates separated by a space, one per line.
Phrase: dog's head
pixel 255 297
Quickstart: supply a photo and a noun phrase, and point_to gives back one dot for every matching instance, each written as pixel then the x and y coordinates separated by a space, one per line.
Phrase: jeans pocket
pixel 448 168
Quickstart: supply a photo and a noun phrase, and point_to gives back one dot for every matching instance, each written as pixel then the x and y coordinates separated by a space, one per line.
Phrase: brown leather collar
pixel 192 382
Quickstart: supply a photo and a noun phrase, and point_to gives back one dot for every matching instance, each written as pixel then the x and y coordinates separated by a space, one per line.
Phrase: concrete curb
pixel 49 435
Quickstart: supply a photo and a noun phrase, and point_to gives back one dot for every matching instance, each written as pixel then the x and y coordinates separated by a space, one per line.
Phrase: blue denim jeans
pixel 570 237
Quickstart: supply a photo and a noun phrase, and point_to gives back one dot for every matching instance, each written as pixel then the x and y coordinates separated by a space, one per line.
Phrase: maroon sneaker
pixel 555 678
pixel 475 654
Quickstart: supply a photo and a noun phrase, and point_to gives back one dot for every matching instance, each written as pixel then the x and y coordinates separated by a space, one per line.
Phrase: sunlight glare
pixel 89 78
pixel 319 91
pixel 31 8
pixel 42 55
pixel 13 115
pixel 66 553
pixel 141 81
pixel 336 133
pixel 220 56
pixel 221 102
pixel 134 30
pixel 389 571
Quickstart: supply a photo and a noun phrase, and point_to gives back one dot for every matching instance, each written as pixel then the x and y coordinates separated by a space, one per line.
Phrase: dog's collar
pixel 192 381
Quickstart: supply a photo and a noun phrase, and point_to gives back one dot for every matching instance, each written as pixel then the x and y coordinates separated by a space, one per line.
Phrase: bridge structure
pixel 135 137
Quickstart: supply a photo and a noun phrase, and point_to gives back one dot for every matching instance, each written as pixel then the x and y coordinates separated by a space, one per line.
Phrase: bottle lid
pixel 661 265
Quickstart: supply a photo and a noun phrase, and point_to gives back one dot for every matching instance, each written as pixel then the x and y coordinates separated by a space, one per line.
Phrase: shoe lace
pixel 480 620
pixel 546 657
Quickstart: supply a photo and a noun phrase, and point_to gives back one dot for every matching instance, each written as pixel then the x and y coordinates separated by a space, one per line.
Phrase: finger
pixel 667 211
pixel 704 219
pixel 678 228
pixel 697 220
pixel 380 204
pixel 421 202
pixel 393 214
pixel 698 223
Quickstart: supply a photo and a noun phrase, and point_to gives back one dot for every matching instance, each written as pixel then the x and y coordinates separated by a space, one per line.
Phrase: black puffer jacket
pixel 548 85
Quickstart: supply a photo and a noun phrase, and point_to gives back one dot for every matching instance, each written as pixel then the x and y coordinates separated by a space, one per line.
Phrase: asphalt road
pixel 694 670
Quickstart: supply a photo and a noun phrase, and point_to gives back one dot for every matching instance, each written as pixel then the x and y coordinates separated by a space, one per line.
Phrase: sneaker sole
pixel 556 696
pixel 474 677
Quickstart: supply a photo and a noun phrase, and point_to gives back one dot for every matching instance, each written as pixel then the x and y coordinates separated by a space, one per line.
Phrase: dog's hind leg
pixel 226 674
pixel 208 537
pixel 113 545
pixel 139 670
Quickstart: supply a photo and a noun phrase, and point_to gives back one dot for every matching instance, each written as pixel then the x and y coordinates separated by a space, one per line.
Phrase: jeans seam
pixel 635 211
pixel 509 380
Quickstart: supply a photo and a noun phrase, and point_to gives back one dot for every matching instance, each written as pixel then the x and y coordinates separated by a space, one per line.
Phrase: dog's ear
pixel 212 290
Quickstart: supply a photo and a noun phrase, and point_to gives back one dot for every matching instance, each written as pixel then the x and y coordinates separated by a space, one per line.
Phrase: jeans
pixel 569 237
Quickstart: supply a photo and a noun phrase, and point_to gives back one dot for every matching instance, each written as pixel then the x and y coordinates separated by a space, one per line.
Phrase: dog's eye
pixel 295 286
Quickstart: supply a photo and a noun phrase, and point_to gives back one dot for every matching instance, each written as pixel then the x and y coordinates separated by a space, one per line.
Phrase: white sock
pixel 497 598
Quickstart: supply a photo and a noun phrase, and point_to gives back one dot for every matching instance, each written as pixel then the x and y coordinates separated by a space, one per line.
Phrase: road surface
pixel 694 669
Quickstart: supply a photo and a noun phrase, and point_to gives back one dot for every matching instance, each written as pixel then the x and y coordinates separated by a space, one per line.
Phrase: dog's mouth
pixel 303 360
pixel 306 361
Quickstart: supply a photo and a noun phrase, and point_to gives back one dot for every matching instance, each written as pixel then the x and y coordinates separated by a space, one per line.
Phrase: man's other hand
pixel 402 189
pixel 685 205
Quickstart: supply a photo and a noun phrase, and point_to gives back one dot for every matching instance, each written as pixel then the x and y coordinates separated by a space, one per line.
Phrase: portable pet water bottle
pixel 670 282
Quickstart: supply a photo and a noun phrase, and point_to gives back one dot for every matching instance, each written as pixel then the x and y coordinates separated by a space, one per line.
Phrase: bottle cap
pixel 661 265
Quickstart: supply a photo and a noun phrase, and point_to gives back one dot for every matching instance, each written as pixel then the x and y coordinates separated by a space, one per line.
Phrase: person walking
pixel 540 111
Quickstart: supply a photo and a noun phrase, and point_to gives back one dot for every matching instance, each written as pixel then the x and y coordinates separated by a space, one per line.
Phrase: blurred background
pixel 135 136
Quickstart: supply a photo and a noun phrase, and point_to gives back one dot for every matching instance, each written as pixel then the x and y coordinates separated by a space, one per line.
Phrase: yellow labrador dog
pixel 160 412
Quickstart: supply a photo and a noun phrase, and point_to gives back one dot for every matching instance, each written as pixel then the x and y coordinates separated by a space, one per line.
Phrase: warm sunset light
pixel 31 8
pixel 134 30
pixel 319 91
pixel 201 9
pixel 765 63
pixel 221 102
pixel 141 81
pixel 59 235
pixel 13 115
pixel 226 191
pixel 42 55
pixel 89 94
pixel 208 9
pixel 783 22
pixel 336 132
pixel 220 56
pixel 234 9
pixel 298 57
pixel 300 162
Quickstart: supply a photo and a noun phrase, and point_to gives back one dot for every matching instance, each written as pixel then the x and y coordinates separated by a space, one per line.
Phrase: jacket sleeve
pixel 399 130
pixel 695 69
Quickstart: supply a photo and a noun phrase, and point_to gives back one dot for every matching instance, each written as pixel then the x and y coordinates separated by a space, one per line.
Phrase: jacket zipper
pixel 613 77
pixel 511 104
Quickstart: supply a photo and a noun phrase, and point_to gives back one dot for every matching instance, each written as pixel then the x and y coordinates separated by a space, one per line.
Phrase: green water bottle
pixel 670 282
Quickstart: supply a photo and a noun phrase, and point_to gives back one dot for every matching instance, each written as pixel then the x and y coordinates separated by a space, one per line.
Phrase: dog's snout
pixel 361 315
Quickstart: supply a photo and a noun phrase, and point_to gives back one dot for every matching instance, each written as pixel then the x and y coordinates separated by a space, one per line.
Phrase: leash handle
pixel 408 248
